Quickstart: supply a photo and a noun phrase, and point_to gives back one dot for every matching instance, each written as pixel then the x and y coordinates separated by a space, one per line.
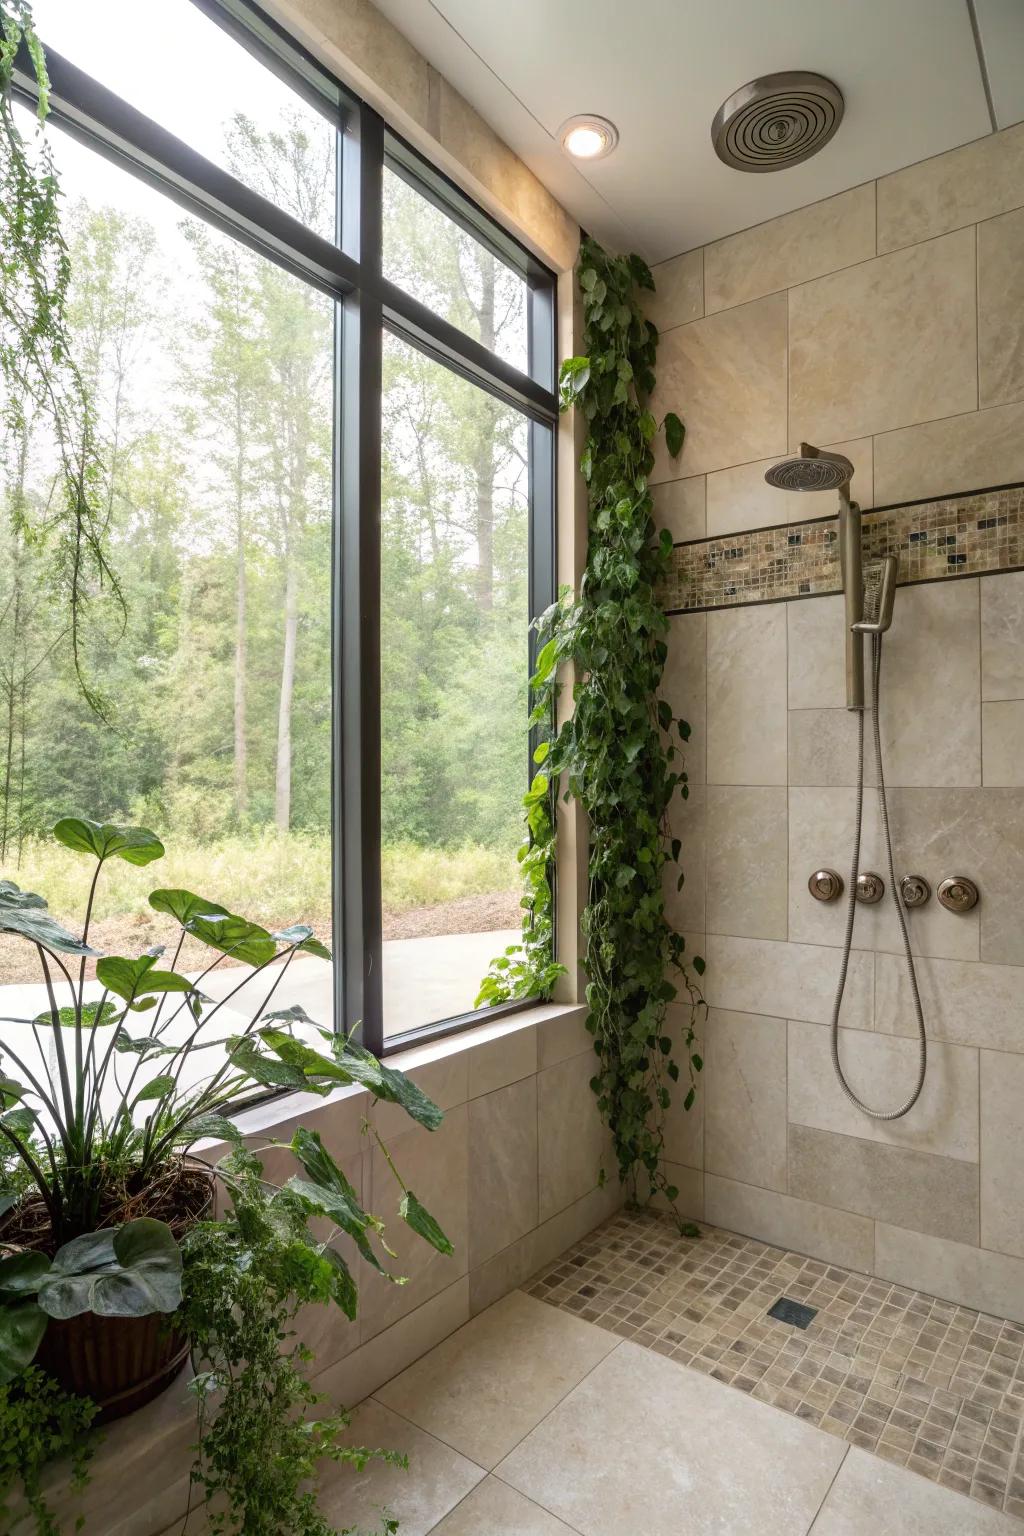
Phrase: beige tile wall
pixel 899 307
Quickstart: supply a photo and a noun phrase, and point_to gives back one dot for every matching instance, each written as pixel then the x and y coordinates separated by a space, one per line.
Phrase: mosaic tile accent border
pixel 959 536
pixel 923 1383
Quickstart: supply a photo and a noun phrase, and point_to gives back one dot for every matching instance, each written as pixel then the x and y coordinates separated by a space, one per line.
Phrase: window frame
pixel 367 304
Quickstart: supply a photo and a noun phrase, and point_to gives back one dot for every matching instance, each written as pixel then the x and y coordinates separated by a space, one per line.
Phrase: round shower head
pixel 777 121
pixel 813 471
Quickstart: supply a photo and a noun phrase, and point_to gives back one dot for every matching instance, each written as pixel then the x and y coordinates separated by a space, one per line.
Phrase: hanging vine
pixel 619 754
pixel 38 373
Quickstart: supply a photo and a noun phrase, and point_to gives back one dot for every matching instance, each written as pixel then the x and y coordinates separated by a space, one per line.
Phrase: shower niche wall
pixel 883 324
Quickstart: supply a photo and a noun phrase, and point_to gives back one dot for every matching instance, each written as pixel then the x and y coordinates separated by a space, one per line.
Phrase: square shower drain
pixel 795 1312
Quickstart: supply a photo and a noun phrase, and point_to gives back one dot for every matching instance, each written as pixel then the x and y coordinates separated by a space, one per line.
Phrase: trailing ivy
pixel 38 1423
pixel 619 753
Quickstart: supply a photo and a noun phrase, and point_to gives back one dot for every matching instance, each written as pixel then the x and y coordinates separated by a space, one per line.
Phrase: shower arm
pixel 853 590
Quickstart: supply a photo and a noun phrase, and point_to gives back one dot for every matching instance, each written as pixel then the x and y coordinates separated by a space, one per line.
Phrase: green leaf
pixel 91 1015
pixel 156 1088
pixel 389 1084
pixel 420 1220
pixel 24 913
pixel 343 1287
pixel 136 845
pixel 327 1192
pixel 21 1274
pixel 137 979
pixel 129 1271
pixel 235 936
pixel 22 1325
pixel 303 938
pixel 208 1128
pixel 675 434
pixel 183 906
pixel 245 1054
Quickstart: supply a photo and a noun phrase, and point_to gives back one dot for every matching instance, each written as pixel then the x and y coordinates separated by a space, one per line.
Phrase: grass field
pixel 266 877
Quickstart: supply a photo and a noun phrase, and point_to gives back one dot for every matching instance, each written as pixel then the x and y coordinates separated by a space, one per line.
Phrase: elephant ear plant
pixel 104 1204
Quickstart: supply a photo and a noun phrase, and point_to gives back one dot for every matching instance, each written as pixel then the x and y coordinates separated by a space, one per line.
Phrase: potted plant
pixel 112 1263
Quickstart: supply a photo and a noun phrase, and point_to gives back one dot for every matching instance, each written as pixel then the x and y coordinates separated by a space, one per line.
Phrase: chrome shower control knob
pixel 958 894
pixel 825 885
pixel 870 888
pixel 914 890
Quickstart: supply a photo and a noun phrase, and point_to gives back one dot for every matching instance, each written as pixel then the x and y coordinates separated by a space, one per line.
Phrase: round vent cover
pixel 777 121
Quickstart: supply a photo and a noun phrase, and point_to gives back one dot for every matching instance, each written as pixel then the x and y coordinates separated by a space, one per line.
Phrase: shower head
pixel 812 471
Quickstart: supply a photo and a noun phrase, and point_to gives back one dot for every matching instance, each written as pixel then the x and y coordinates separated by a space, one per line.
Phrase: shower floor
pixel 924 1383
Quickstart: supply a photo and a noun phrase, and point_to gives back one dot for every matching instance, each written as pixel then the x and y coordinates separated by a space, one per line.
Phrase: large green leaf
pixel 136 845
pixel 327 1192
pixel 24 913
pixel 235 936
pixel 183 906
pixel 137 980
pixel 302 937
pixel 244 1053
pixel 314 1064
pixel 343 1287
pixel 21 1274
pixel 22 1325
pixel 130 1271
pixel 387 1083
pixel 421 1222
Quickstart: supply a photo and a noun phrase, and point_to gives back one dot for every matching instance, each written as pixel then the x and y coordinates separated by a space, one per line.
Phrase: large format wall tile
pixel 573 1143
pixel 1001 308
pixel 931 686
pixel 686 908
pixel 941 458
pixel 503 1157
pixel 989 1282
pixel 684 1128
pixel 678 295
pixel 822 1231
pixel 807 243
pixel 726 377
pixel 909 1189
pixel 747 695
pixel 1002 1166
pixel 817 672
pixel 1002 742
pixel 964 1003
pixel 786 981
pixel 960 187
pixel 930 837
pixel 882 1070
pixel 740 498
pixel 684 686
pixel 884 344
pixel 679 507
pixel 745 1086
pixel 746 861
pixel 1002 633
pixel 823 748
pixel 438 1161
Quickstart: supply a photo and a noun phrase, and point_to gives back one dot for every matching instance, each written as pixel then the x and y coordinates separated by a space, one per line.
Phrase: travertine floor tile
pixel 437 1478
pixel 870 1496
pixel 486 1386
pixel 694 1459
pixel 494 1509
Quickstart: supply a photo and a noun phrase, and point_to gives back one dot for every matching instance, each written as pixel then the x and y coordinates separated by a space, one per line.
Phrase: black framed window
pixel 325 391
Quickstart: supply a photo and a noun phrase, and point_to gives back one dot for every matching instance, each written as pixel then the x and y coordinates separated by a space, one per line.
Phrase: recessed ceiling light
pixel 587 137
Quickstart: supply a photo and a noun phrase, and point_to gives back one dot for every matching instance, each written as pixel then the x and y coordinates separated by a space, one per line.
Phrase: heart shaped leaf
pixel 136 845
pixel 136 979
pixel 301 935
pixel 22 1325
pixel 23 913
pixel 130 1271
pixel 234 936
pixel 183 906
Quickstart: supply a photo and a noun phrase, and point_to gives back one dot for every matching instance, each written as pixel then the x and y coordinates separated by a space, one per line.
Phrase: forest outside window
pixel 293 429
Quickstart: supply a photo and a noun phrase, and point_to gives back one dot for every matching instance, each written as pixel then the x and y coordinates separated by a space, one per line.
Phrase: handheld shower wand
pixel 817 471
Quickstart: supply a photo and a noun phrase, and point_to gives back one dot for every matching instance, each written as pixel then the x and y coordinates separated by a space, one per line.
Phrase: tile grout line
pixel 828 1490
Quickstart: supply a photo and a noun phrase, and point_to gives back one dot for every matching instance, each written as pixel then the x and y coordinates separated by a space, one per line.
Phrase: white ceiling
pixel 909 70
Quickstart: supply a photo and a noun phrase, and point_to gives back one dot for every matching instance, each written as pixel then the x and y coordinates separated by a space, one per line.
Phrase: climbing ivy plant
pixel 619 754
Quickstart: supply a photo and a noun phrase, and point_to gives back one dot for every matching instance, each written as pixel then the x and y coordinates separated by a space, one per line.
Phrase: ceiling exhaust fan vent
pixel 777 121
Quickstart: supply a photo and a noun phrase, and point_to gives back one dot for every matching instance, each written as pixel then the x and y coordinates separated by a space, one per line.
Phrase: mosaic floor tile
pixel 921 1382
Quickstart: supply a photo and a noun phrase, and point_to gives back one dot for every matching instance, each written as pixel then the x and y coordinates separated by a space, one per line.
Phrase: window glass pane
pixel 442 266
pixel 454 629
pixel 185 72
pixel 211 371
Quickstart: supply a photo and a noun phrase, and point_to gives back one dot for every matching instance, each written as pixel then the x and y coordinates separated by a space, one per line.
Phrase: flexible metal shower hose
pixel 876 1114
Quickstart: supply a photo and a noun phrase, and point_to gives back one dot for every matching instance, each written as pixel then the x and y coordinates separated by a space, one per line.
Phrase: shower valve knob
pixel 915 890
pixel 870 888
pixel 825 885
pixel 958 894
